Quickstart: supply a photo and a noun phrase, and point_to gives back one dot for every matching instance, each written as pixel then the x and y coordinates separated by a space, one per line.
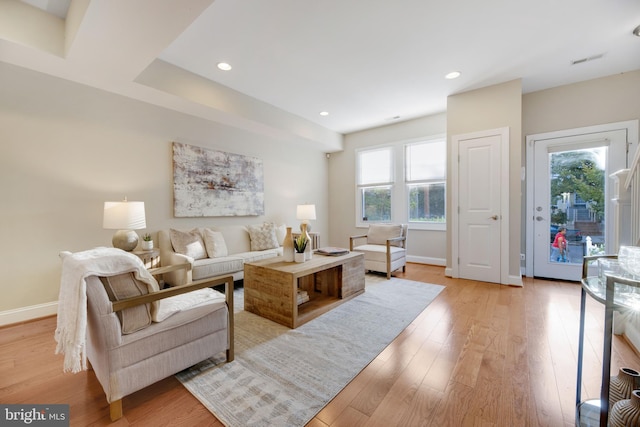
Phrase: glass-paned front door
pixel 577 204
pixel 571 200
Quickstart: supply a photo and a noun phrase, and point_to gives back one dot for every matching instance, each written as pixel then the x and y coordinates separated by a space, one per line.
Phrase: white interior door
pixel 565 170
pixel 478 220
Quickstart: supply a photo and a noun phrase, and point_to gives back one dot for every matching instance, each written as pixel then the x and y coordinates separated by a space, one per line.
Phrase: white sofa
pixel 220 251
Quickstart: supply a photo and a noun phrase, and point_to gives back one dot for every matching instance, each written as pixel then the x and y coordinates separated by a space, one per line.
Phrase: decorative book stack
pixel 333 251
pixel 303 296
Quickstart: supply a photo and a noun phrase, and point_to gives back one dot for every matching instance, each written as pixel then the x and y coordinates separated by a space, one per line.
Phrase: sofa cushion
pixel 236 237
pixel 379 253
pixel 124 286
pixel 212 267
pixel 214 243
pixel 379 233
pixel 170 334
pixel 188 243
pixel 263 236
pixel 258 255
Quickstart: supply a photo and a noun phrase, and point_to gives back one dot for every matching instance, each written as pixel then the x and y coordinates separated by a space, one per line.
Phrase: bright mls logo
pixel 34 415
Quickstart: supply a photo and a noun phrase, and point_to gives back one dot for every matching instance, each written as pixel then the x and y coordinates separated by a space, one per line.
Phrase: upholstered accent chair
pixel 128 352
pixel 385 247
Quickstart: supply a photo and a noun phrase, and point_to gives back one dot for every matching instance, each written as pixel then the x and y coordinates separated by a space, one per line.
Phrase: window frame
pixel 399 184
pixel 359 187
pixel 424 225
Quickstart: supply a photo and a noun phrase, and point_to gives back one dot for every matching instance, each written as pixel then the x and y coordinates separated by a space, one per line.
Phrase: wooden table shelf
pixel 271 286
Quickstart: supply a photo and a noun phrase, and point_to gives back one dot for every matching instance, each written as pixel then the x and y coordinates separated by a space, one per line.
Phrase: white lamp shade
pixel 124 216
pixel 306 212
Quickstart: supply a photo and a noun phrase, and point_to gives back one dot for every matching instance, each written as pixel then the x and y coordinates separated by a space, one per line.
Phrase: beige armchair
pixel 385 247
pixel 127 358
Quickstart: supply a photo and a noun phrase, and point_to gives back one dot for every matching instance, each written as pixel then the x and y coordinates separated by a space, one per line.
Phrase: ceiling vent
pixel 583 60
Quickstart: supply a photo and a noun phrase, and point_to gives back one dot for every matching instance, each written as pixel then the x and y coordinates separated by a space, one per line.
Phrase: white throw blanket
pixel 72 301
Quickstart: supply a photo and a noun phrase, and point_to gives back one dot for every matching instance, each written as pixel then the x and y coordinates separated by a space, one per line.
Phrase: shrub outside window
pixel 426 203
pixel 376 204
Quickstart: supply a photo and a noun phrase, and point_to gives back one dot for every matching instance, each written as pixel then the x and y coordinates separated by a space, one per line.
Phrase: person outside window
pixel 559 246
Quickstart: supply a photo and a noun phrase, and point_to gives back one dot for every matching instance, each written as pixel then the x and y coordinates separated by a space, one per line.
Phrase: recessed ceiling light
pixel 453 75
pixel 224 66
pixel 324 113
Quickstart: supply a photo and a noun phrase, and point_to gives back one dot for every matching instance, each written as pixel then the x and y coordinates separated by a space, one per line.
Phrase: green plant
pixel 300 243
pixel 146 237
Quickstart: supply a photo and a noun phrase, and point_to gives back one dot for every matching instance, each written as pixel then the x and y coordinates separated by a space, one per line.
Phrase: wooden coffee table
pixel 271 286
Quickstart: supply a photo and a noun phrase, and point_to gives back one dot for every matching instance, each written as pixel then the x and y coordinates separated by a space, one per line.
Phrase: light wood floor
pixel 480 355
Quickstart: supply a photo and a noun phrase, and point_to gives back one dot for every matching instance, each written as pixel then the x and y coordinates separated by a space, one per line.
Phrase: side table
pixel 150 259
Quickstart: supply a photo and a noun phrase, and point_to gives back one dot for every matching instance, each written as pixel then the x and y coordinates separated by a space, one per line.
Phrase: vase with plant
pixel 147 242
pixel 300 244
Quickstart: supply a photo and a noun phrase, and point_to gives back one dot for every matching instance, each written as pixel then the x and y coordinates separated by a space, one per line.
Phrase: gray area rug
pixel 284 377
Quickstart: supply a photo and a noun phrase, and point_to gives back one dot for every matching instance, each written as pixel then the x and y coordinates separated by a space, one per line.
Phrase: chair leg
pixel 115 410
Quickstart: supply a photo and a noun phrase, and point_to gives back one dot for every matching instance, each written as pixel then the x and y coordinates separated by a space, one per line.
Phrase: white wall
pixel 605 100
pixel 67 148
pixel 493 107
pixel 422 246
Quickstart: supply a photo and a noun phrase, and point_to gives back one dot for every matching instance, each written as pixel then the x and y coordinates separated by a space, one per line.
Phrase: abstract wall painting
pixel 214 183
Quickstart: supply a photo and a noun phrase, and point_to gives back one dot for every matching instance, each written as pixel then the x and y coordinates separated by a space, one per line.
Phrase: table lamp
pixel 306 213
pixel 125 217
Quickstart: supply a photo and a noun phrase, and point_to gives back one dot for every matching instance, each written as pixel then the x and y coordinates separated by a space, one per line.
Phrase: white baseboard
pixel 427 260
pixel 513 280
pixel 28 313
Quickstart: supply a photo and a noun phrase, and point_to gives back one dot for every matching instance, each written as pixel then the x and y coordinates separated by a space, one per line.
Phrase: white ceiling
pixel 367 62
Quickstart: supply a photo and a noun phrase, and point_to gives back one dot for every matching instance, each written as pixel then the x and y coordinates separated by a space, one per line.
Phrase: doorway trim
pixel 503 133
pixel 631 127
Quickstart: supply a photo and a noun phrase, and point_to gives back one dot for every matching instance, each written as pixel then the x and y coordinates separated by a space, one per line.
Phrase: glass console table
pixel 616 293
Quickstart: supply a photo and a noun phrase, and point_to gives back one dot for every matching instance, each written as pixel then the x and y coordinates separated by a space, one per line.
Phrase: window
pixel 375 184
pixel 410 172
pixel 425 179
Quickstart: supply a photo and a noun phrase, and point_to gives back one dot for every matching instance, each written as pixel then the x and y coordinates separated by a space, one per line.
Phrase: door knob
pixel 494 217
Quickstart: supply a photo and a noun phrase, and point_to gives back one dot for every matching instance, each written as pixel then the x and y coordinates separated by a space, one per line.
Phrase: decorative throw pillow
pixel 188 243
pixel 281 233
pixel 263 237
pixel 379 233
pixel 214 243
pixel 124 286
